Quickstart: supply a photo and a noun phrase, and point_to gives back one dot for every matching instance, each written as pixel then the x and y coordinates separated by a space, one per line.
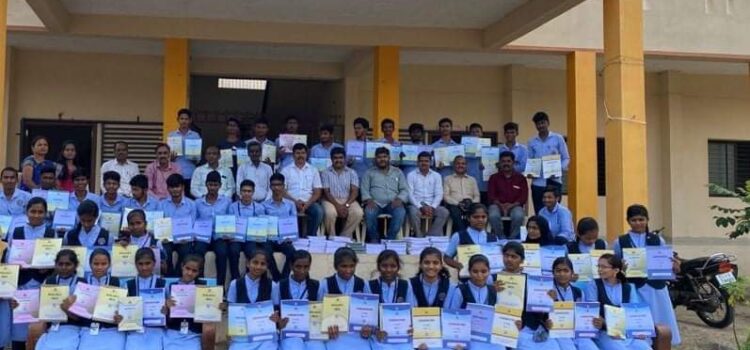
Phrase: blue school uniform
pixel 177 339
pixel 290 289
pixel 241 210
pixel 246 291
pixel 152 337
pixel 426 294
pixel 615 295
pixel 468 292
pixel 394 292
pixel 337 285
pixel 572 293
pixel 96 237
pixel 62 335
pixel 653 292
pixel 108 337
pixel 578 247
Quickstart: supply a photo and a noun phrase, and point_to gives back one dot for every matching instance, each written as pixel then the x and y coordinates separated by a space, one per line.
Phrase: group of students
pixel 431 287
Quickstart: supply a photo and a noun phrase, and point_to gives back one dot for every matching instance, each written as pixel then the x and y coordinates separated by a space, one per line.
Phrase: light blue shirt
pixel 565 294
pixel 298 290
pixel 560 221
pixel 480 295
pixel 87 239
pixel 389 292
pixel 553 144
pixel 638 240
pixel 430 291
pixel 447 169
pixel 252 287
pixel 253 209
pixel 479 237
pixel 521 153
pixel 614 293
pixel 73 203
pixel 346 287
pixel 31 232
pixel 16 204
pixel 119 204
pixel 320 151
pixel 187 165
pixel 281 209
pixel 586 249
pixel 360 164
pixel 151 204
pixel 207 211
pixel 186 208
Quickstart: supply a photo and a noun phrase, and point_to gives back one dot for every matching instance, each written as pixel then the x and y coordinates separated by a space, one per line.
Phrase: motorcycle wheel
pixel 724 314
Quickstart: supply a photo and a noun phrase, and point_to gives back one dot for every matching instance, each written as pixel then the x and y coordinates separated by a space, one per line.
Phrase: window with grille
pixel 728 164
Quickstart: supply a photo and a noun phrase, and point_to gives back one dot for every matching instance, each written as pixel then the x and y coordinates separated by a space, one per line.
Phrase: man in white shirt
pixel 198 182
pixel 257 171
pixel 425 194
pixel 122 166
pixel 303 186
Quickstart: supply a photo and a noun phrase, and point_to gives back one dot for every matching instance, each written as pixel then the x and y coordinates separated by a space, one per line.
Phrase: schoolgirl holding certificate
pixel 587 238
pixel 152 336
pixel 184 333
pixel 63 335
pixel 345 282
pixel 562 268
pixel 391 289
pixel 652 292
pixel 612 289
pixel 476 291
pixel 35 228
pixel 475 234
pixel 140 237
pixel 255 286
pixel 97 335
pixel 86 232
pixel 299 286
pixel 432 286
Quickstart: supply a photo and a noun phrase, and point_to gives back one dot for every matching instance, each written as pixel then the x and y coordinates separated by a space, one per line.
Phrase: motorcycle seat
pixel 693 264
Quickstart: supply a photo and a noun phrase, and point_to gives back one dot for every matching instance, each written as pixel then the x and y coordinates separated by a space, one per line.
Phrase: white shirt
pixel 428 189
pixel 300 182
pixel 198 181
pixel 260 175
pixel 126 171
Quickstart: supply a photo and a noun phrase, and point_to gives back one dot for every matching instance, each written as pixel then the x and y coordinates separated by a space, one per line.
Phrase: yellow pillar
pixel 582 184
pixel 386 89
pixel 176 77
pixel 624 97
pixel 3 80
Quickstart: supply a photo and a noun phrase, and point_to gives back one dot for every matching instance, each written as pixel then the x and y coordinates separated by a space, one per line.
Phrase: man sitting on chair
pixel 384 191
pixel 340 189
pixel 507 193
pixel 425 194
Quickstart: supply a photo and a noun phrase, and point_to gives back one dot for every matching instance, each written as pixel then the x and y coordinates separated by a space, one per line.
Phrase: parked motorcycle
pixel 699 287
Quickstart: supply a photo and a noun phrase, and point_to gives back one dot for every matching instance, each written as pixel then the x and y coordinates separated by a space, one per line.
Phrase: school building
pixel 652 95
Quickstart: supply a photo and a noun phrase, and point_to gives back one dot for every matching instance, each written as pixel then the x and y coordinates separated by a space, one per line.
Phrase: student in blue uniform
pixel 653 292
pixel 612 289
pixel 35 228
pixel 281 207
pixel 476 233
pixel 63 335
pixel 80 189
pixel 177 206
pixel 538 231
pixel 141 199
pixel 138 236
pixel 152 337
pixel 207 208
pixel 345 282
pixel 474 165
pixel 476 291
pixel 299 286
pixel 86 232
pixel 391 289
pixel 254 286
pixel 111 201
pixel 101 335
pixel 562 268
pixel 244 207
pixel 587 238
pixel 431 286
pixel 184 333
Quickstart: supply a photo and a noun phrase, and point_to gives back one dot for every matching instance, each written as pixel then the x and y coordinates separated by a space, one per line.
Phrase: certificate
pixel 316 320
pixel 336 312
pixel 123 261
pixel 537 297
pixel 395 155
pixel 581 266
pixel 298 314
pixel 563 320
pixel 50 299
pixel 490 158
pixel 548 255
pixel 208 303
pixel 175 144
pixel 471 144
pixel 258 321
pixel 8 280
pixel 163 229
pixel 395 320
pixel 182 228
pixel 151 217
pixel 446 155
pixel 86 295
pixel 193 148
pixel 64 219
pixel 638 320
pixel 28 306
pixel 504 329
pixel 533 167
pixel 659 260
pixel 595 255
pixel 57 200
pixel 372 146
pixel 153 300
pixel 616 321
pixel 411 152
pixel 456 328
pixel 636 260
pixel 107 303
pixel 240 229
pixel 236 324
pixel 242 157
pixel 355 148
pixel 45 251
pixel 585 313
pixel 288 228
pixel 184 299
pixel 268 152
pixel 510 300
pixel 257 229
pixel 110 222
pixel 287 141
pixel 203 230
pixel 321 163
pixel 225 158
pixel 481 322
pixel 426 327
pixel 363 311
pixel 494 253
pixel 131 310
pixel 532 265
pixel 225 225
pixel 5 225
pixel 464 253
pixel 21 252
pixel 273 228
pixel 552 166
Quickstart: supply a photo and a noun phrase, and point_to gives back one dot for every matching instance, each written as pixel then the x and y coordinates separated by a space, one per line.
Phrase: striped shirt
pixel 339 183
